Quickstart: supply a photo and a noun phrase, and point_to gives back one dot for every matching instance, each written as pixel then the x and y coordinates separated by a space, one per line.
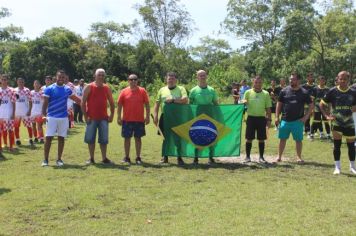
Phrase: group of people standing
pixel 293 106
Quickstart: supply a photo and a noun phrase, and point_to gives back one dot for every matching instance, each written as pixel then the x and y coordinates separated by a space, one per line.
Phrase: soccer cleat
pixel 44 163
pixel 126 160
pixel 36 140
pixel 337 171
pixel 164 160
pixel 41 141
pixel 18 142
pixel 59 163
pixel 262 160
pixel 353 170
pixel 180 161
pixel 138 160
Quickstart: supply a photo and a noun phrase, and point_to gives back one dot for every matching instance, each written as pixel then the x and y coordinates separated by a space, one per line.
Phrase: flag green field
pixel 202 130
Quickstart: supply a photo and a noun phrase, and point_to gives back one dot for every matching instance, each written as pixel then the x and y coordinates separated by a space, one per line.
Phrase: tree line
pixel 283 36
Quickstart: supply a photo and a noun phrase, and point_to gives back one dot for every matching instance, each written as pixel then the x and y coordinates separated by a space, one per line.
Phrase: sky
pixel 36 16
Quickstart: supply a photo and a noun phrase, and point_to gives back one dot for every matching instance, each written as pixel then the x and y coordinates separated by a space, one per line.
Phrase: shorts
pixel 273 109
pixel 256 124
pixel 57 126
pixel 103 131
pixel 347 132
pixel 318 116
pixel 131 128
pixel 7 124
pixel 294 127
pixel 37 119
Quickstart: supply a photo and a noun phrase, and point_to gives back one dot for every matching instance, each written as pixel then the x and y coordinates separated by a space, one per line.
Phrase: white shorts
pixel 57 126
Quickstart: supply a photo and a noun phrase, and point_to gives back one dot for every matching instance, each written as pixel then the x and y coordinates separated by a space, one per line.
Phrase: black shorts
pixel 318 116
pixel 273 109
pixel 347 132
pixel 256 124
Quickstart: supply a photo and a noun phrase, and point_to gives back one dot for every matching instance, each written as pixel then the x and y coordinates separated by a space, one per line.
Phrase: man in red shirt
pixel 133 100
pixel 96 95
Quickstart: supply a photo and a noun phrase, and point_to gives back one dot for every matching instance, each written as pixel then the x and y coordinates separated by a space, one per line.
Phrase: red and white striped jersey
pixel 37 103
pixel 7 97
pixel 23 98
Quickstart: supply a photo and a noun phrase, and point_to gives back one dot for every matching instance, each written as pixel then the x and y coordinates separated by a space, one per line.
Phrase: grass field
pixel 154 199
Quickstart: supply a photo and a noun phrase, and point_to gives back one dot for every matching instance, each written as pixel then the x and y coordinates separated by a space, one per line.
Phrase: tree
pixel 108 33
pixel 166 22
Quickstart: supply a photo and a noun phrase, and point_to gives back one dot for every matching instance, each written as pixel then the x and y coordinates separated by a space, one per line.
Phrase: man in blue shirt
pixel 55 111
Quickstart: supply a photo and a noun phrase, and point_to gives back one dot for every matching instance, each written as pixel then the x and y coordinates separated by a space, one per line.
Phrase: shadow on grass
pixel 111 166
pixel 85 166
pixel 4 190
pixel 219 165
pixel 317 164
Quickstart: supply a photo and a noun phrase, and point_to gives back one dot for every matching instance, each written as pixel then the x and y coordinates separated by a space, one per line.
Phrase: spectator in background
pixel 78 114
pixel 235 92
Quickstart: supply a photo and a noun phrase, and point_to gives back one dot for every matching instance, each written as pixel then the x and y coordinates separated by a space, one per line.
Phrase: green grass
pixel 153 199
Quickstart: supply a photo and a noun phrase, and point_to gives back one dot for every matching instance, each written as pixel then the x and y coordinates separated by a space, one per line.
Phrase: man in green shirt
pixel 203 94
pixel 168 95
pixel 259 117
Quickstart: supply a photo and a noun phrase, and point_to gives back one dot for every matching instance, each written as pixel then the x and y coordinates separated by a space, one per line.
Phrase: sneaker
pixel 164 160
pixel 311 137
pixel 337 171
pixel 180 161
pixel 138 160
pixel 59 163
pixel 211 161
pixel 353 170
pixel 18 142
pixel 126 160
pixel 247 160
pixel 36 140
pixel 44 163
pixel 262 160
pixel 90 162
pixel 196 161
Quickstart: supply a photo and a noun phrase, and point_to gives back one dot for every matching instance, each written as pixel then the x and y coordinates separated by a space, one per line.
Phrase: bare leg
pixel 299 146
pixel 60 147
pixel 138 144
pixel 47 147
pixel 282 146
pixel 127 147
pixel 91 150
pixel 103 148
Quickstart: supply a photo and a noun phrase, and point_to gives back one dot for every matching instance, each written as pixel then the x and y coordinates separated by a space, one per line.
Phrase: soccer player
pixel 47 81
pixel 70 102
pixel 55 99
pixel 36 112
pixel 132 100
pixel 96 97
pixel 342 101
pixel 168 95
pixel 309 86
pixel 291 103
pixel 319 118
pixel 7 110
pixel 23 110
pixel 258 117
pixel 203 94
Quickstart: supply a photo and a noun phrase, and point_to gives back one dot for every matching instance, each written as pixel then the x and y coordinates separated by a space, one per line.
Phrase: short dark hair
pixel 61 72
pixel 321 77
pixel 6 76
pixel 20 78
pixel 171 74
pixel 48 77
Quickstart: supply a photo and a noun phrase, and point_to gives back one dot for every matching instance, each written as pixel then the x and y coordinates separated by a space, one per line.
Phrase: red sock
pixel 17 132
pixel 0 142
pixel 29 130
pixel 12 139
pixel 4 135
pixel 40 134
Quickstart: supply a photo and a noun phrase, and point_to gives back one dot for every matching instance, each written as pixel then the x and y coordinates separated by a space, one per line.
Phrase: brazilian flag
pixel 202 130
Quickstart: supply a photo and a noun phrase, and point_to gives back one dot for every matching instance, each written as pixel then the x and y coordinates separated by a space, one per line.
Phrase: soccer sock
pixel 17 133
pixel 29 130
pixel 35 134
pixel 261 148
pixel 314 127
pixel 351 148
pixel 40 134
pixel 0 142
pixel 4 135
pixel 248 149
pixel 12 138
pixel 337 165
pixel 336 151
pixel 352 164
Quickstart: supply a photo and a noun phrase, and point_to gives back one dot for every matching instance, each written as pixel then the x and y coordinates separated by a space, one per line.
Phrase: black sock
pixel 327 127
pixel 351 148
pixel 261 148
pixel 337 152
pixel 248 149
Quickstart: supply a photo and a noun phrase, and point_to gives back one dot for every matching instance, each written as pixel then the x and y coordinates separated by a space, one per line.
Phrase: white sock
pixel 352 164
pixel 337 165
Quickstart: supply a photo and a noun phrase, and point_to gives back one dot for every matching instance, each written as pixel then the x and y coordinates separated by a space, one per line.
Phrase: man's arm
pixel 278 111
pixel 310 110
pixel 44 106
pixel 147 106
pixel 155 112
pixel 112 106
pixel 29 108
pixel 323 110
pixel 83 105
pixel 268 114
pixel 119 109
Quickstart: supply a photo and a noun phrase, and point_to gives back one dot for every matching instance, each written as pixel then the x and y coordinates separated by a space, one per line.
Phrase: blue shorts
pixel 294 127
pixel 136 129
pixel 103 130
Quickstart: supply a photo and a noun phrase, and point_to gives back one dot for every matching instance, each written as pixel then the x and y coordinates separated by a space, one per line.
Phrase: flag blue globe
pixel 203 132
